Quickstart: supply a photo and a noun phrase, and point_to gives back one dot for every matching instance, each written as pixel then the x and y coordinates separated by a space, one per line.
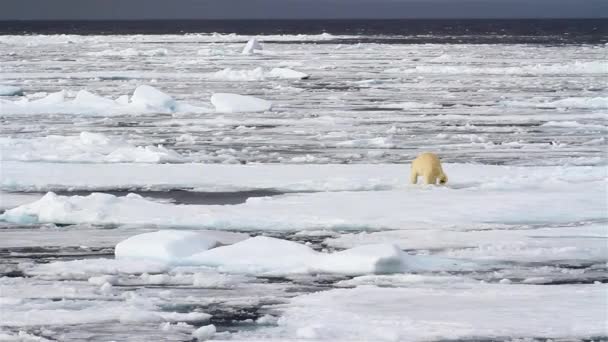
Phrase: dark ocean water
pixel 547 31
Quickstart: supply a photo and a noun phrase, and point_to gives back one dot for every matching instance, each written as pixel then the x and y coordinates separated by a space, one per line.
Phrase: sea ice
pixel 234 103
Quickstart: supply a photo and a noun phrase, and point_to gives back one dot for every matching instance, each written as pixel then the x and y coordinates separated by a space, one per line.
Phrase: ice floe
pixel 145 99
pixel 86 147
pixel 6 90
pixel 234 103
pixel 511 200
pixel 266 255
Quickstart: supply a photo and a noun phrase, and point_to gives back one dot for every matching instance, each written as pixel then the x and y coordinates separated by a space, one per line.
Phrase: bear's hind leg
pixel 413 177
pixel 430 179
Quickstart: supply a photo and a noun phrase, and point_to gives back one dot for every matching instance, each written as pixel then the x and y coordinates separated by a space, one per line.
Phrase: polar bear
pixel 428 166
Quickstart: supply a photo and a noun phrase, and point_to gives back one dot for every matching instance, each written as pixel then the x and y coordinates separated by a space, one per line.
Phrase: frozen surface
pixel 513 247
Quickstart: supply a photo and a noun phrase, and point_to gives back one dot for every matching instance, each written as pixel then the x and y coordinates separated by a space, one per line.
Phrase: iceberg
pixel 252 45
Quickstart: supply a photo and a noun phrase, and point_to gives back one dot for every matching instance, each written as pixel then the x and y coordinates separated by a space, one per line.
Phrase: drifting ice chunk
pixel 251 46
pixel 164 245
pixel 287 73
pixel 152 98
pixel 10 91
pixel 234 103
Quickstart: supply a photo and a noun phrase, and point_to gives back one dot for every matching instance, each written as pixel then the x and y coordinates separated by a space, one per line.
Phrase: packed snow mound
pixel 252 45
pixel 442 312
pixel 129 52
pixel 86 147
pixel 145 99
pixel 10 90
pixel 234 103
pixel 164 245
pixel 287 73
pixel 266 255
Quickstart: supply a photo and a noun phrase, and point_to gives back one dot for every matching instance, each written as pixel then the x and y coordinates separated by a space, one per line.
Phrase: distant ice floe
pixel 6 90
pixel 86 147
pixel 234 103
pixel 571 102
pixel 145 99
pixel 571 68
pixel 266 255
pixel 129 52
pixel 257 74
